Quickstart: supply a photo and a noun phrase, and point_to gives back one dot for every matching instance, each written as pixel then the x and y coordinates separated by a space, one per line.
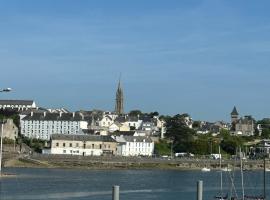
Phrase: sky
pixel 200 57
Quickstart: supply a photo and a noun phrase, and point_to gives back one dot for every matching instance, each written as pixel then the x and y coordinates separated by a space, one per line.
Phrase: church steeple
pixel 119 101
pixel 234 115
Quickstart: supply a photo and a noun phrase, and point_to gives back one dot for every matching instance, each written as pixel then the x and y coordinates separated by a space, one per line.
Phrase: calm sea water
pixel 52 184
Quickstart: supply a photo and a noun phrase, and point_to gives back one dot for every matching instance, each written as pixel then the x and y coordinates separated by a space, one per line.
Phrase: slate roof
pixel 99 138
pixel 53 117
pixel 146 119
pixel 126 133
pixel 133 118
pixel 234 111
pixel 88 131
pixel 16 102
pixel 138 138
pixel 245 120
pixel 120 119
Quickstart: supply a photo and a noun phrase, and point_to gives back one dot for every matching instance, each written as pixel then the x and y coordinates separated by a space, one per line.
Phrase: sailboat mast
pixel 221 185
pixel 264 180
pixel 242 176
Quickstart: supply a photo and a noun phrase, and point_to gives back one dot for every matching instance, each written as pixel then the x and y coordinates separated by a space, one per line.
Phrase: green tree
pixel 135 112
pixel 153 114
pixel 196 124
pixel 180 133
pixel 162 148
pixel 230 143
pixel 265 133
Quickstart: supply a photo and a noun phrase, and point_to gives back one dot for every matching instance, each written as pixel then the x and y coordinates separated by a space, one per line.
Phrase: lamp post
pixel 2 122
pixel 2 130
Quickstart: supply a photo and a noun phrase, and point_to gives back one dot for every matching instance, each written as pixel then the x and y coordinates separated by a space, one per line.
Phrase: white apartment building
pixel 43 125
pixel 134 146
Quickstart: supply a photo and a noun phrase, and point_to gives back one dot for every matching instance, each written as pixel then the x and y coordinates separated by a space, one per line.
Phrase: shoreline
pixel 113 163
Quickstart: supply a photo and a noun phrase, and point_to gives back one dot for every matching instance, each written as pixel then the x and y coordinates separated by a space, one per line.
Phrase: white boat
pixel 205 169
pixel 267 169
pixel 226 169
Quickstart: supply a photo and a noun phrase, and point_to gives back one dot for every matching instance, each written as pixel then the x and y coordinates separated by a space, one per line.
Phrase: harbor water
pixel 52 184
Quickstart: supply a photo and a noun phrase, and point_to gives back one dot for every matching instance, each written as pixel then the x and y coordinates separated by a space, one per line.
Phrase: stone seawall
pixel 114 162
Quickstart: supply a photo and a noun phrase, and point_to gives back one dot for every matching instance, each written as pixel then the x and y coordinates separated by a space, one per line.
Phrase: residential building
pixel 243 126
pixel 105 121
pixel 134 122
pixel 10 130
pixel 261 149
pixel 116 126
pixel 213 128
pixel 19 105
pixel 134 146
pixel 85 145
pixel 160 125
pixel 43 125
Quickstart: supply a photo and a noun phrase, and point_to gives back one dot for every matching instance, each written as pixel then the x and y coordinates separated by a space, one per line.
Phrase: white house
pixel 134 146
pixel 43 125
pixel 116 126
pixel 133 121
pixel 161 125
pixel 106 121
pixel 17 104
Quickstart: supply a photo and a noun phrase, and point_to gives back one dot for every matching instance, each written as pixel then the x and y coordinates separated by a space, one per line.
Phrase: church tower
pixel 119 101
pixel 234 115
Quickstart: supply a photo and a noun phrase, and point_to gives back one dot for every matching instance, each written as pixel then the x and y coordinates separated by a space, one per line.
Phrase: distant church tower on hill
pixel 119 101
pixel 234 115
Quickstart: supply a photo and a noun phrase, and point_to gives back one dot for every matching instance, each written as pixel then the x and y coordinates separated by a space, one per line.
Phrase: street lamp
pixel 2 122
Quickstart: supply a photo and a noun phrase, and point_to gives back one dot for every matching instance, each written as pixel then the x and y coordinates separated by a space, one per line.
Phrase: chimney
pixel 73 114
pixel 44 114
pixel 60 114
pixel 31 113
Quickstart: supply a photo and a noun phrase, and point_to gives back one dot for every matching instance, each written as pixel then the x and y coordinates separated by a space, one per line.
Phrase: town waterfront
pixel 39 184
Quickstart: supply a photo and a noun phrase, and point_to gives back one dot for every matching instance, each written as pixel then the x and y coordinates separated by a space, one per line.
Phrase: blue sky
pixel 201 57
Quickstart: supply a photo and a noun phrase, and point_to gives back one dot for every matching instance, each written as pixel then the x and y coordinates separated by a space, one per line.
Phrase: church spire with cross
pixel 119 101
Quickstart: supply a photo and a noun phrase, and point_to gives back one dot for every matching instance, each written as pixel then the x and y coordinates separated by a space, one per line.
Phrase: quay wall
pixel 115 162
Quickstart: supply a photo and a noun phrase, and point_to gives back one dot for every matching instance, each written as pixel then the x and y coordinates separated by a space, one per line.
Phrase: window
pixel 70 144
pixel 64 151
pixel 64 144
pixel 100 146
pixel 57 144
pixel 93 146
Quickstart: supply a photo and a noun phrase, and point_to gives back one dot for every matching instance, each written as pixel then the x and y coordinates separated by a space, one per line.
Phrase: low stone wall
pixel 105 162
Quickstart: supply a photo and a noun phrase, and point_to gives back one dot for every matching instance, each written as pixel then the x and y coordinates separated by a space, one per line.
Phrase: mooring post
pixel 115 192
pixel 199 190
